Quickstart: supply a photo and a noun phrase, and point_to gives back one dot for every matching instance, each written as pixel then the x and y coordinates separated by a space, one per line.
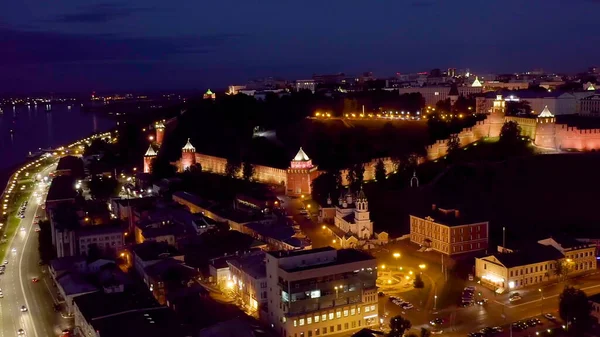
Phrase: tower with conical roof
pixel 210 95
pixel 159 127
pixel 545 129
pixel 476 83
pixel 497 116
pixel 300 175
pixel 188 155
pixel 453 94
pixel 148 157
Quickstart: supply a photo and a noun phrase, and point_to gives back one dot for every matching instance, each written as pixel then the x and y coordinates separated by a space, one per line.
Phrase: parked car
pixel 482 301
pixel 514 298
pixel 534 322
pixel 406 306
pixel 436 321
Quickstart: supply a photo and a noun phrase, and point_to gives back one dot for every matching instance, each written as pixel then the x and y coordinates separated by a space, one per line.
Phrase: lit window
pixel 346 313
pixel 352 311
pixel 324 317
pixel 308 320
pixel 366 309
pixel 295 322
pixel 301 321
pixel 316 318
pixel 331 315
pixel 372 308
pixel 338 314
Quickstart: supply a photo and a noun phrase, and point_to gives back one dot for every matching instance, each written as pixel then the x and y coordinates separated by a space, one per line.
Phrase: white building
pixel 321 292
pixel 249 279
pixel 352 215
pixel 306 85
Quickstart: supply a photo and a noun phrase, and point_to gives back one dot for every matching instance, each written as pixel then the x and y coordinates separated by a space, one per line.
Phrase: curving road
pixel 41 320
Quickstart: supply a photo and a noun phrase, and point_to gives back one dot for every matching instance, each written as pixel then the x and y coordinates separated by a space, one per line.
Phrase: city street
pixel 40 319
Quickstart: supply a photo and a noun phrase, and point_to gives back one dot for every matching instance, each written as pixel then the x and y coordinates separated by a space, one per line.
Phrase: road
pixel 40 320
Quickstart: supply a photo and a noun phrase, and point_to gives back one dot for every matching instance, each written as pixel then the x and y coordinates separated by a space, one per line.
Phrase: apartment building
pixel 321 292
pixel 249 279
pixel 448 231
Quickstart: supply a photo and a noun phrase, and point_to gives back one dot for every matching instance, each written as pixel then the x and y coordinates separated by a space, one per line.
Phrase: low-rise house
pixel 168 275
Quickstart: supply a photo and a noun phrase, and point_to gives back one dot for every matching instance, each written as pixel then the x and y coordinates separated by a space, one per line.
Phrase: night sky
pixel 68 45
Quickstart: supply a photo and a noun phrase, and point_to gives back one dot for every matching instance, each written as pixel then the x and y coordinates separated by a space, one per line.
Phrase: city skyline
pixel 130 45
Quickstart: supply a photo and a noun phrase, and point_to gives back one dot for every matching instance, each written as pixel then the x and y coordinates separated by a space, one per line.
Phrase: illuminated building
pixel 448 231
pixel 160 132
pixel 249 279
pixel 352 215
pixel 434 94
pixel 235 89
pixel 321 291
pixel 300 175
pixel 148 158
pixel 188 155
pixel 209 95
pixel 535 264
pixel 306 85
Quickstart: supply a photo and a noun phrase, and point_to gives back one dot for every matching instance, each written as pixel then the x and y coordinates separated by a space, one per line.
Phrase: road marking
pixel 54 300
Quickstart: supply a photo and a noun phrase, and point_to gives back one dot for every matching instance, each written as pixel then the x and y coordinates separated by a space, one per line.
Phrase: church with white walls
pixel 352 215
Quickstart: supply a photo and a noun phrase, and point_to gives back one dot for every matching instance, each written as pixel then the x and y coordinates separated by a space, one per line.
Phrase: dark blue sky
pixel 65 45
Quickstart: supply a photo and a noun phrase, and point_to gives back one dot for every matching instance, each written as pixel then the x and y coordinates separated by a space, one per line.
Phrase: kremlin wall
pixel 542 129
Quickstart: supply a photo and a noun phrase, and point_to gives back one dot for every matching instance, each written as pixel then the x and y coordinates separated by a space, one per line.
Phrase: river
pixel 28 128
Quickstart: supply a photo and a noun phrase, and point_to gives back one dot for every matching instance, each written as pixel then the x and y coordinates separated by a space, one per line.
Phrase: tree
pixel 326 184
pixel 453 144
pixel 574 308
pixel 510 132
pixel 464 105
pixel 418 282
pixel 45 246
pixel 195 168
pixel 443 105
pixel 161 168
pixel 514 108
pixel 356 175
pixel 399 325
pixel 232 168
pixel 247 171
pixel 380 172
pixel 102 188
pixel 563 267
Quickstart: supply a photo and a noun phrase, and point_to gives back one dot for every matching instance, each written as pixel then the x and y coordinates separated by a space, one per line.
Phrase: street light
pixel 541 301
pixel 324 227
pixel 383 266
pixel 434 302
pixel 422 266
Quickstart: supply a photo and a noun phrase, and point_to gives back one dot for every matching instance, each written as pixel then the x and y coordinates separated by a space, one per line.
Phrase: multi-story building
pixel 306 85
pixel 550 259
pixel 589 106
pixel 249 279
pixel 448 231
pixel 108 239
pixel 434 94
pixel 321 291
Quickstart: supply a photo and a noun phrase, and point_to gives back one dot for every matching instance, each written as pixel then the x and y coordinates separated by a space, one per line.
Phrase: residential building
pixel 109 239
pixel 449 231
pixel 249 279
pixel 277 236
pixel 589 106
pixel 321 291
pixel 434 94
pixel 167 276
pixel 306 85
pixel 219 271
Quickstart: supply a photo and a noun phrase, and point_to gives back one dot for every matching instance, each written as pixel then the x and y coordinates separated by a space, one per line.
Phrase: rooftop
pixel 62 188
pixel 151 152
pixel 252 264
pixel 100 304
pixel 448 216
pixel 301 156
pixel 150 250
pixel 343 256
pixel 157 322
pixel 288 253
pixel 535 253
pixel 237 327
pixel 74 284
pixel 158 270
pixel 99 230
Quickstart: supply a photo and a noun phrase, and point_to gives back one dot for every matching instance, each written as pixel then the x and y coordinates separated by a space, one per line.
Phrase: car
pixel 14 250
pixel 437 331
pixel 65 333
pixel 1 295
pixel 436 321
pixel 497 329
pixel 482 301
pixel 35 280
pixel 488 330
pixel 514 298
pixel 465 304
pixel 22 229
pixel 23 308
pixel 550 317
pixel 534 322
pixel 37 229
pixel 406 306
pixel 20 332
pixel 5 262
pixel 476 334
pixel 470 288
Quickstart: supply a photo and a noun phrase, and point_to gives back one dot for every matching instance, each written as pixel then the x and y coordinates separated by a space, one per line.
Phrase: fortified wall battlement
pixel 542 129
pixel 265 174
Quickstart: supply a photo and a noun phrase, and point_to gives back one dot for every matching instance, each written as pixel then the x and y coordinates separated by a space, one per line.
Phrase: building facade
pixel 249 279
pixel 448 232
pixel 321 292
pixel 306 85
pixel 352 215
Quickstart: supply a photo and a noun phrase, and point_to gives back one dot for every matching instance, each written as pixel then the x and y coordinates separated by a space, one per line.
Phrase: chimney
pixel 456 213
pixel 433 207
